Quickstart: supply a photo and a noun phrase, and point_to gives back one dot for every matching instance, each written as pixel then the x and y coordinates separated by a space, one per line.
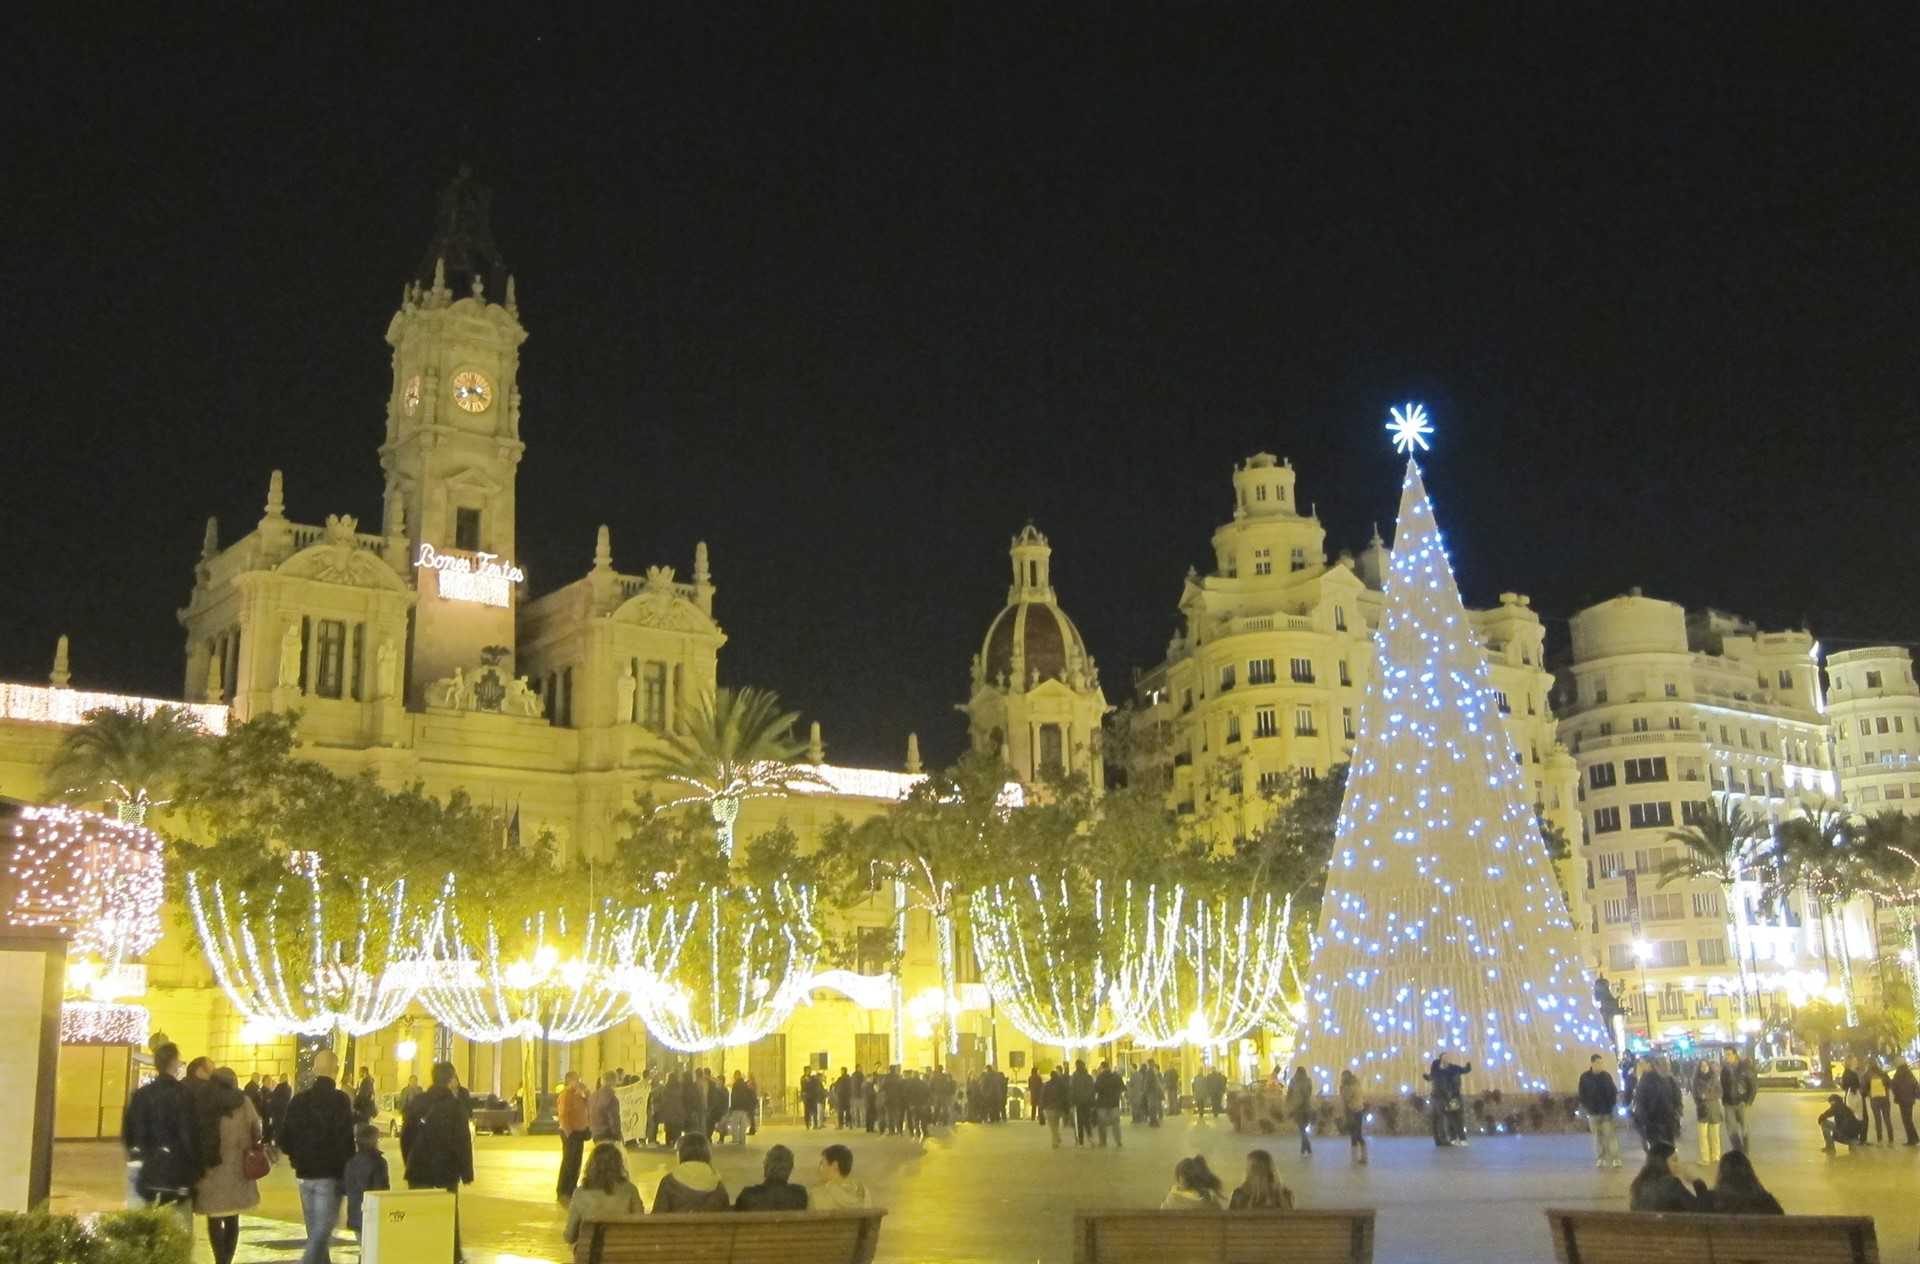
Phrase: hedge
pixel 114 1237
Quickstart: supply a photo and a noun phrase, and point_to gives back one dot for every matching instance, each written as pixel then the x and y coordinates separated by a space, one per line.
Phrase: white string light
pixel 1056 982
pixel 357 989
pixel 102 879
pixel 1226 975
pixel 760 947
pixel 98 1023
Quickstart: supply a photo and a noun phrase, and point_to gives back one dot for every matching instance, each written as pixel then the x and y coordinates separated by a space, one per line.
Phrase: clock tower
pixel 452 445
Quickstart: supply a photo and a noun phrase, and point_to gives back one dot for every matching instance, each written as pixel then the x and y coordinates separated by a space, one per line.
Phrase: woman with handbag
pixel 226 1131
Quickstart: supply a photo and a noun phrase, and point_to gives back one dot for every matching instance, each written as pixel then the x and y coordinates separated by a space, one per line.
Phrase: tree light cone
pixel 1443 927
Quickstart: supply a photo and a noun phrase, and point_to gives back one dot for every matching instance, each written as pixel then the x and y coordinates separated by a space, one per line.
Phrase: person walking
pixel 603 1110
pixel 1171 1083
pixel 741 1101
pixel 1879 1094
pixel 158 1135
pixel 1737 1091
pixel 1709 1110
pixel 1300 1108
pixel 719 1103
pixel 1656 1105
pixel 670 1104
pixel 1108 1088
pixel 366 1098
pixel 1155 1092
pixel 226 1130
pixel 1036 1087
pixel 366 1173
pixel 1353 1110
pixel 692 1184
pixel 1906 1090
pixel 1058 1096
pixel 1082 1102
pixel 406 1095
pixel 570 1111
pixel 775 1192
pixel 1598 1099
pixel 436 1146
pixel 317 1137
pixel 277 1103
pixel 1262 1189
pixel 605 1193
pixel 813 1098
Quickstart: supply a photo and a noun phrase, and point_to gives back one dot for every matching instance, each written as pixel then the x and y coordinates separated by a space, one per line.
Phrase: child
pixel 366 1170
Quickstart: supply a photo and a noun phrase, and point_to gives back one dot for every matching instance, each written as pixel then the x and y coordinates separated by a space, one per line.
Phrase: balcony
pixel 1306 732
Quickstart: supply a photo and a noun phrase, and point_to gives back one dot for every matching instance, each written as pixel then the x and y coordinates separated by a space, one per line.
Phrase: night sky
pixel 852 293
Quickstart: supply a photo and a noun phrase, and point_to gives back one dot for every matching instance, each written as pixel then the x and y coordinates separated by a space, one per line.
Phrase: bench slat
pixel 1143 1236
pixel 1626 1237
pixel 784 1237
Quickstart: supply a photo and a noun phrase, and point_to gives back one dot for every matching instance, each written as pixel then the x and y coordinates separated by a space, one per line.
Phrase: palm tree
pixel 1724 845
pixel 1889 850
pixel 734 744
pixel 1818 850
pixel 128 758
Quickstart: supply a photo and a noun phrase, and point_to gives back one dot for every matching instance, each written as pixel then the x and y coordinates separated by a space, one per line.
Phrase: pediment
pixel 663 608
pixel 345 564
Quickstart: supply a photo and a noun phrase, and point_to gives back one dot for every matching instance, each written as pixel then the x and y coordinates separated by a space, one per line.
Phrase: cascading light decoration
pixel 285 971
pixel 1226 976
pixel 101 879
pixel 726 967
pixel 1442 928
pixel 1074 973
pixel 558 985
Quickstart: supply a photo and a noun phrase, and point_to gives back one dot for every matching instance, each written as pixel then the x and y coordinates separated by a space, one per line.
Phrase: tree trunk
pixel 1735 924
pixel 949 1002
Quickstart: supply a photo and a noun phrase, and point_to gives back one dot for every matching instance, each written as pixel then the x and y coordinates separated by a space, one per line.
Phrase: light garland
pixel 102 879
pixel 1060 984
pixel 44 704
pixel 760 952
pixel 358 990
pixel 1227 975
pixel 1442 927
pixel 549 992
pixel 101 1023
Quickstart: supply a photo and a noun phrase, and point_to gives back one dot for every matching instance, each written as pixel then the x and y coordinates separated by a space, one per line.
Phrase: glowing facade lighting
pixel 100 1023
pixel 724 969
pixel 486 579
pixel 101 879
pixel 46 704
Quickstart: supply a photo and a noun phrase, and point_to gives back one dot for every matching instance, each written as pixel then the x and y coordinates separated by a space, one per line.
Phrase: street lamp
pixel 1641 951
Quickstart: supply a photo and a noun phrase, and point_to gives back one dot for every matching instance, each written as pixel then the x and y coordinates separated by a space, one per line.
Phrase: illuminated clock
pixel 472 391
pixel 412 396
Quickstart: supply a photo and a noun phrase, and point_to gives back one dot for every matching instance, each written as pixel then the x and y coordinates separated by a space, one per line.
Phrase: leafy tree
pixel 734 745
pixel 1724 845
pixel 132 759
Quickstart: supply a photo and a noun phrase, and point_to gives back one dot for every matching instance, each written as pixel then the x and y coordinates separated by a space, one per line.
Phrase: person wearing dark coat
pixel 158 1134
pixel 1598 1098
pixel 1058 1101
pixel 718 1103
pixel 1656 1105
pixel 1906 1091
pixel 366 1098
pixel 692 1185
pixel 842 1094
pixel 435 1143
pixel 1036 1085
pixel 671 1097
pixel 276 1113
pixel 1300 1108
pixel 1448 1102
pixel 1108 1089
pixel 1657 1187
pixel 1839 1123
pixel 693 1091
pixel 316 1135
pixel 1082 1092
pixel 813 1095
pixel 774 1192
pixel 1738 1191
pixel 1171 1081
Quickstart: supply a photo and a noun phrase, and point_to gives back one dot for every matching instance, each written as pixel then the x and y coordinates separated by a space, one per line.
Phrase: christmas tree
pixel 1443 927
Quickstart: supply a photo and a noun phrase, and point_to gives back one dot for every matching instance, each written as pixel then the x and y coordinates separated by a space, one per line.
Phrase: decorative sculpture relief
pixel 290 656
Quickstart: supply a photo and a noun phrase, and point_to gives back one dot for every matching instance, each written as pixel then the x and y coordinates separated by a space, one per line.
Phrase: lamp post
pixel 1641 951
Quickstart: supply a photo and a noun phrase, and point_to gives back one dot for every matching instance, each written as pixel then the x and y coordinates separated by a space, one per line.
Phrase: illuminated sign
pixel 485 578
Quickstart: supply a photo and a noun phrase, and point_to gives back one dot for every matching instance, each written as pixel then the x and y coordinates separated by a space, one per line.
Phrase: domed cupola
pixel 1035 694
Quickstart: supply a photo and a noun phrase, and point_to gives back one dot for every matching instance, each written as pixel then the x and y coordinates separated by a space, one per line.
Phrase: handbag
pixel 255 1162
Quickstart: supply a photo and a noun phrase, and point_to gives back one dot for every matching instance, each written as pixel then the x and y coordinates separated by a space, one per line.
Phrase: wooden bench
pixel 734 1237
pixel 1136 1236
pixel 1667 1237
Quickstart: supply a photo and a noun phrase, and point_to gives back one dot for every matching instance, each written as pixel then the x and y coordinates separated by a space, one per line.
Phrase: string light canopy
pixel 284 969
pixel 101 879
pixel 558 985
pixel 1442 928
pixel 724 968
pixel 1074 971
pixel 1226 975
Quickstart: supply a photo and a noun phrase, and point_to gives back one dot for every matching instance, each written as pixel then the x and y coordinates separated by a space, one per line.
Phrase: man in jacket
pixel 742 1101
pixel 603 1110
pixel 158 1134
pixel 1656 1104
pixel 1598 1098
pixel 1108 1089
pixel 1906 1090
pixel 1058 1096
pixel 436 1144
pixel 317 1137
pixel 277 1103
pixel 575 1128
pixel 1082 1089
pixel 1036 1086
pixel 1737 1091
pixel 1171 1081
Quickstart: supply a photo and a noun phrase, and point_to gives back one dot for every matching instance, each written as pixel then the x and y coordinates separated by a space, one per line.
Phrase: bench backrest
pixel 1656 1237
pixel 1137 1236
pixel 734 1237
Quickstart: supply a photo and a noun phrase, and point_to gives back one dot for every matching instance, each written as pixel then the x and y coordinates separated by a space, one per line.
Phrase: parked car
pixel 1788 1072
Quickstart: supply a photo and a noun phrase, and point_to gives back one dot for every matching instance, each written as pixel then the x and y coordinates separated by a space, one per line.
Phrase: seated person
pixel 1658 1187
pixel 1839 1123
pixel 774 1192
pixel 1738 1191
pixel 692 1185
pixel 837 1190
pixel 604 1193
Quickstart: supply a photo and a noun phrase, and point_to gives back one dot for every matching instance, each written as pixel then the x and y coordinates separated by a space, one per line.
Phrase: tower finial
pixel 210 541
pixel 913 753
pixel 603 549
pixel 701 574
pixel 276 495
pixel 513 297
pixel 816 749
pixel 60 675
pixel 439 273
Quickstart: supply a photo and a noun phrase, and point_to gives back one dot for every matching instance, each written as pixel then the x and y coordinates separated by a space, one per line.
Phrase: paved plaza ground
pixel 1002 1194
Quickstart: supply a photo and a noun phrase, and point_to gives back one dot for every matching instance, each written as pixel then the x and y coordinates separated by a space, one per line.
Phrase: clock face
pixel 412 395
pixel 472 391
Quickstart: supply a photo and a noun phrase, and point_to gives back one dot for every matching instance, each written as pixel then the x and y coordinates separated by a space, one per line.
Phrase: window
pixel 1866 728
pixel 1599 693
pixel 1896 792
pixel 1610 863
pixel 1693 812
pixel 1713 952
pixel 1706 904
pixel 1260 492
pixel 1263 558
pixel 653 696
pixel 1786 679
pixel 1600 776
pixel 1723 735
pixel 1264 725
pixel 1662 906
pixel 1260 671
pixel 1303 722
pixel 1345 679
pixel 1673 690
pixel 1743 738
pixel 1298 559
pixel 1873 679
pixel 1669 952
pixel 329 667
pixel 356 671
pixel 1620 957
pixel 1651 859
pixel 1233 729
pixel 1673 1001
pixel 1606 728
pixel 1651 769
pixel 1640 724
pixel 1673 722
pixel 1339 618
pixel 1053 752
pixel 1272 782
pixel 1500 698
pixel 1649 815
pixel 1606 820
pixel 1226 678
pixel 1616 912
pixel 1302 671
pixel 466 529
pixel 1880 724
pixel 1870 794
pixel 1346 722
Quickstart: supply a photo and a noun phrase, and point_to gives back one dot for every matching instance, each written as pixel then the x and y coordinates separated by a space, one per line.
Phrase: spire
pixel 210 540
pixel 276 496
pixel 60 675
pixel 701 575
pixel 913 753
pixel 462 246
pixel 816 750
pixel 513 299
pixel 603 549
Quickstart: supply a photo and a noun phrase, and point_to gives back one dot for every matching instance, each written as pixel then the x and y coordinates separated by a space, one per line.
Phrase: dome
pixel 1032 639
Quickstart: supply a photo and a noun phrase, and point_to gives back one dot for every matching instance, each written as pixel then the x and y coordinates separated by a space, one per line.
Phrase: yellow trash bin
pixel 406 1226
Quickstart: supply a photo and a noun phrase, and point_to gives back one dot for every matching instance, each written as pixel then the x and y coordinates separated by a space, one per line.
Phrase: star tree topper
pixel 1410 427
